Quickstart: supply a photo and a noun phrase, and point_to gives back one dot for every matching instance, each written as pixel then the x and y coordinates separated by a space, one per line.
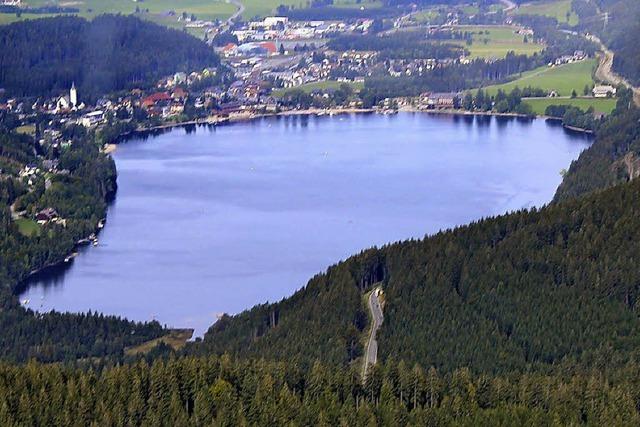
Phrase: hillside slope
pixel 110 53
pixel 521 291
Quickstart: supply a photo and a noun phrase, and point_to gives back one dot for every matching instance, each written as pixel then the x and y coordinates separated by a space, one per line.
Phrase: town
pixel 277 65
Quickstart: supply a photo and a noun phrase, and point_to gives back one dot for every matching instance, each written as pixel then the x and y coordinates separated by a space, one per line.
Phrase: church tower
pixel 73 96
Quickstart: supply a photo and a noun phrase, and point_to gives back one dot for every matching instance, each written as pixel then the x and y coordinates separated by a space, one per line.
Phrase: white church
pixel 69 102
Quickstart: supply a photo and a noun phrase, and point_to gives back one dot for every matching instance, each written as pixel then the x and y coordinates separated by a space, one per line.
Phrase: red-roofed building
pixel 269 46
pixel 155 98
pixel 229 49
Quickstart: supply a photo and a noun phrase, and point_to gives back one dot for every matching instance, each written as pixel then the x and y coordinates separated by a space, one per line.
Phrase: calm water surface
pixel 220 219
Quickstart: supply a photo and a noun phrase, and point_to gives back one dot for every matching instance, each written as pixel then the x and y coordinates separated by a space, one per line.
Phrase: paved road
pixel 371 355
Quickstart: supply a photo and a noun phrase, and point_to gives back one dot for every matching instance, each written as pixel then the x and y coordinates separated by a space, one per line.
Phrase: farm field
pixel 310 87
pixel 555 9
pixel 563 78
pixel 495 41
pixel 604 105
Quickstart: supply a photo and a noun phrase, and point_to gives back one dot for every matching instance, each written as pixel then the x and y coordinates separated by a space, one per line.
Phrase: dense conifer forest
pixel 524 291
pixel 109 53
pixel 612 160
pixel 226 392
pixel 528 318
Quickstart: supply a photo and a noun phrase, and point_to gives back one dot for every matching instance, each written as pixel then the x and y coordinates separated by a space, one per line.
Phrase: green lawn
pixel 563 78
pixel 495 41
pixel 310 87
pixel 27 227
pixel 604 105
pixel 556 9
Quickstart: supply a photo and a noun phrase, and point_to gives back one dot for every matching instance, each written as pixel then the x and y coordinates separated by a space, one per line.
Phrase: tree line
pixel 44 57
pixel 80 196
pixel 223 391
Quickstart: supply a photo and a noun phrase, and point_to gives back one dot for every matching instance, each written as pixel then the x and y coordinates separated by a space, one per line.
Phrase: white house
pixel 604 91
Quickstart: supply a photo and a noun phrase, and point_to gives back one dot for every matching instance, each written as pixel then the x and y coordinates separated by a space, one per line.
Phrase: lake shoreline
pixel 408 118
pixel 320 112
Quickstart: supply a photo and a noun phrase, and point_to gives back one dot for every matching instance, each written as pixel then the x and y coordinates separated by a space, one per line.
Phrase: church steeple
pixel 73 95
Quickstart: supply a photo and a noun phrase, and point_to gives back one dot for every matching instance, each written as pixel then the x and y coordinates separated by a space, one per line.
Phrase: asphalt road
pixel 371 355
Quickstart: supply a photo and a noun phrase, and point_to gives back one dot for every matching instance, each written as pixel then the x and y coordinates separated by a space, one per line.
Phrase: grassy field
pixel 563 78
pixel 176 338
pixel 353 4
pixel 157 9
pixel 26 129
pixel 425 15
pixel 27 227
pixel 603 105
pixel 495 41
pixel 556 9
pixel 310 87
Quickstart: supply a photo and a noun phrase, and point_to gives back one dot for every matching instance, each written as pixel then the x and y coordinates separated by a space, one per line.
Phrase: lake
pixel 216 220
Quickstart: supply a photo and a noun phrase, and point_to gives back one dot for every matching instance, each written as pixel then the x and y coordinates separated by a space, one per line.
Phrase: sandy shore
pixel 109 148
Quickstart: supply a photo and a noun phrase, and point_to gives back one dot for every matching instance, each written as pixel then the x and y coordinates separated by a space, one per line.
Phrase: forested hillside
pixel 528 290
pixel 226 392
pixel 612 160
pixel 77 190
pixel 111 52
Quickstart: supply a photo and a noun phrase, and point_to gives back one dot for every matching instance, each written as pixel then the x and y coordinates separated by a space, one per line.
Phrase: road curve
pixel 509 5
pixel 605 71
pixel 371 354
pixel 237 13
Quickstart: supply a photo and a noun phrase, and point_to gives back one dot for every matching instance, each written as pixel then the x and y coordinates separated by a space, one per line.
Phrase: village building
pixel 46 215
pixel 92 119
pixel 603 91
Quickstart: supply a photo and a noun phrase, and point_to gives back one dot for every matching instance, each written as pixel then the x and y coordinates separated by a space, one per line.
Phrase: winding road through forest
pixel 375 308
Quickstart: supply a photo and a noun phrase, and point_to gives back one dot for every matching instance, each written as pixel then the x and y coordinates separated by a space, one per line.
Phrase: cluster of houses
pixel 578 55
pixel 281 28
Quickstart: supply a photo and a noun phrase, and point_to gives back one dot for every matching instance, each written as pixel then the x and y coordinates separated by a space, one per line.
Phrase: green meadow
pixel 563 78
pixel 495 41
pixel 27 227
pixel 603 105
pixel 559 9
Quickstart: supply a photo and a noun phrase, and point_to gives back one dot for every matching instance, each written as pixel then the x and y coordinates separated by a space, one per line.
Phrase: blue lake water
pixel 220 219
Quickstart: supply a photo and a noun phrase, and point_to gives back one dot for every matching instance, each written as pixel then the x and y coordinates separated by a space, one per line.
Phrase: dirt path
pixel 237 13
pixel 605 72
pixel 509 5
